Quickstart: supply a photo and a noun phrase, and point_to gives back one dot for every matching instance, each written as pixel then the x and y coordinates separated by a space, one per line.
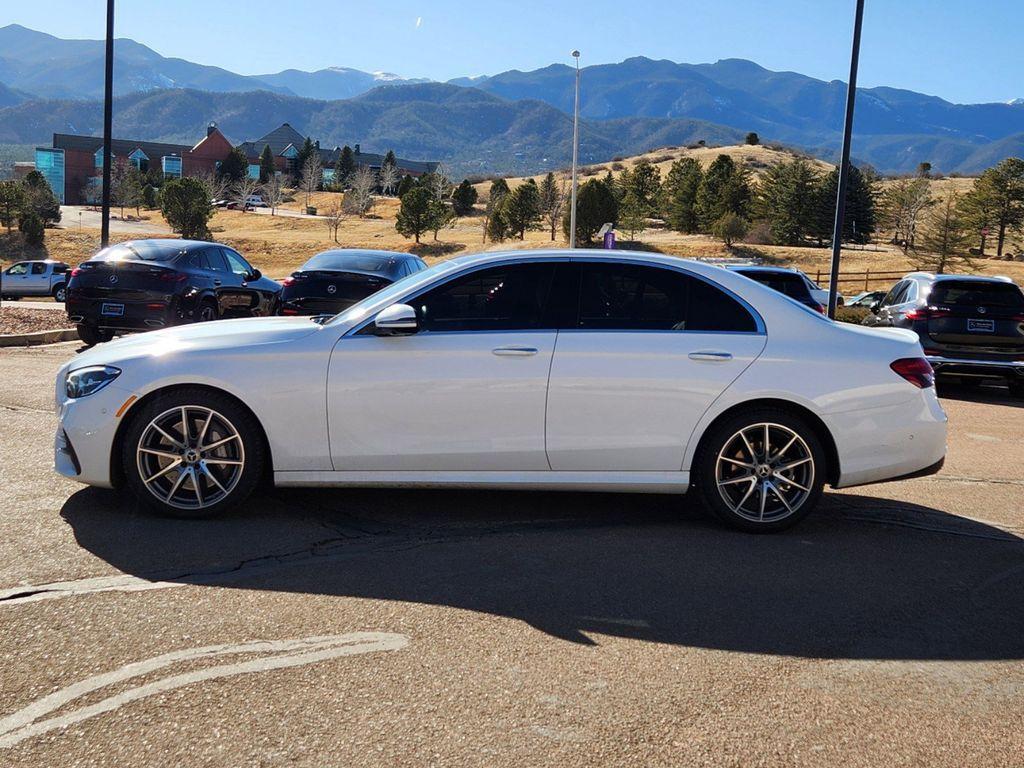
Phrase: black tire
pixel 11 298
pixel 59 293
pixel 206 312
pixel 705 467
pixel 253 451
pixel 91 335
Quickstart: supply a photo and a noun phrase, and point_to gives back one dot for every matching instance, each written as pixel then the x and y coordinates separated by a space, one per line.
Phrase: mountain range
pixel 512 121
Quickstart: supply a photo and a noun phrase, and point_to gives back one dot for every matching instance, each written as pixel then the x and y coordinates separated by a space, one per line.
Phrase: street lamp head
pixel 575 54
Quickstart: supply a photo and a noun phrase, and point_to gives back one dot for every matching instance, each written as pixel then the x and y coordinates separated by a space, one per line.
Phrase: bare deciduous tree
pixel 334 217
pixel 311 176
pixel 389 178
pixel 244 188
pixel 216 186
pixel 273 192
pixel 440 183
pixel 359 198
pixel 903 203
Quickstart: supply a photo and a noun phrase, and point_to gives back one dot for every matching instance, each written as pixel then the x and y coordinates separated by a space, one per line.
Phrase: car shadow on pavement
pixel 863 578
pixel 986 393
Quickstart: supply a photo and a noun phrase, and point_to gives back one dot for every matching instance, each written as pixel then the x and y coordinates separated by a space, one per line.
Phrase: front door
pixel 651 349
pixel 16 279
pixel 464 393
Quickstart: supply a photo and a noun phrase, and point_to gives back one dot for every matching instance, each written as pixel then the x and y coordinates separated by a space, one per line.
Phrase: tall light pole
pixel 108 118
pixel 844 166
pixel 575 153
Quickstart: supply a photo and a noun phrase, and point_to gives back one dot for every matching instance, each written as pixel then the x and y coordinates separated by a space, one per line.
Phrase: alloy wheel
pixel 190 457
pixel 765 472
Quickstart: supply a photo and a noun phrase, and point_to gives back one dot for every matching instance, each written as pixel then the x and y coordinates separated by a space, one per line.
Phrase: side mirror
pixel 875 305
pixel 396 320
pixel 256 275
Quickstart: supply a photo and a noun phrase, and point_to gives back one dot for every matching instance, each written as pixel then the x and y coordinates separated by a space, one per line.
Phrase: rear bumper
pixel 963 366
pixel 138 315
pixel 883 444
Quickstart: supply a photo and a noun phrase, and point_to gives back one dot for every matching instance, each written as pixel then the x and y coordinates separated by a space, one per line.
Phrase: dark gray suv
pixel 970 327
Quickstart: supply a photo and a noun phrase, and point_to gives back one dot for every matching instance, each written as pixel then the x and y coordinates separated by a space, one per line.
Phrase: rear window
pixel 143 251
pixel 787 283
pixel 347 262
pixel 976 293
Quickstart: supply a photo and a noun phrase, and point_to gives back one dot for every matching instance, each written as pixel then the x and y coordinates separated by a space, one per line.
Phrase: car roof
pixel 760 268
pixel 968 278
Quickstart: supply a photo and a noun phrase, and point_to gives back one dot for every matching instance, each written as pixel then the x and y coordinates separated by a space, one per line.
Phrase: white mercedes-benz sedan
pixel 581 370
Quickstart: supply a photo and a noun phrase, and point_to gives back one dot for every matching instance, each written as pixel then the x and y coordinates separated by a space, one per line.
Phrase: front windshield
pixel 388 295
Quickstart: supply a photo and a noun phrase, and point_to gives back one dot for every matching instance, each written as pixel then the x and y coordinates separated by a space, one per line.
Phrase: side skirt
pixel 622 482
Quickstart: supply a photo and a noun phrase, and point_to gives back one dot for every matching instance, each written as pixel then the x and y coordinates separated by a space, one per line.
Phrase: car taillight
pixel 173 277
pixel 819 308
pixel 926 313
pixel 287 311
pixel 916 370
pixel 288 281
pixel 156 305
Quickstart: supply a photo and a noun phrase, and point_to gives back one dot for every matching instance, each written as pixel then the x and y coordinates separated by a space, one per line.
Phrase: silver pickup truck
pixel 35 278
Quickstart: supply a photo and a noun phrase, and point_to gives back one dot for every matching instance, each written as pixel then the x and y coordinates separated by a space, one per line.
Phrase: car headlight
pixel 86 381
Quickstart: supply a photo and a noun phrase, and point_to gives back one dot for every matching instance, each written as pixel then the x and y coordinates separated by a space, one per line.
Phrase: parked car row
pixel 142 285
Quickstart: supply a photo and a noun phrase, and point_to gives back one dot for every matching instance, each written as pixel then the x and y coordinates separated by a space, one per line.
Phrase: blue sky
pixel 963 51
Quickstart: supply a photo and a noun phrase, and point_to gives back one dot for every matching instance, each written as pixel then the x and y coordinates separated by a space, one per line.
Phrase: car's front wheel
pixel 192 452
pixel 761 471
pixel 91 335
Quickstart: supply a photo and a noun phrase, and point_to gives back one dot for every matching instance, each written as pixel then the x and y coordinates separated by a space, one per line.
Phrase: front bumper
pixel 86 428
pixel 962 366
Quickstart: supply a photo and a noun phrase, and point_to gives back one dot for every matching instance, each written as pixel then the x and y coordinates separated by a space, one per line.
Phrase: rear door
pixel 648 352
pixel 38 281
pixel 976 314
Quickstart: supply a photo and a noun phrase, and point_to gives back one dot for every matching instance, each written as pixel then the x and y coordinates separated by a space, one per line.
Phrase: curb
pixel 39 337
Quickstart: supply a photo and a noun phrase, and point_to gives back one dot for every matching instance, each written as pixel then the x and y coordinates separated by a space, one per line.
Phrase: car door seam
pixel 547 394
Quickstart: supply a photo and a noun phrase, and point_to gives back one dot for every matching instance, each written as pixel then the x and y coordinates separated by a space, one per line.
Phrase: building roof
pixel 373 160
pixel 120 147
pixel 279 140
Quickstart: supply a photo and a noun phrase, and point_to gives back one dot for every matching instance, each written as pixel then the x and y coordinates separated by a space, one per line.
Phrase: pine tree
pixel 12 199
pixel 267 167
pixel 595 206
pixel 234 167
pixel 464 198
pixel 645 185
pixel 415 213
pixel 552 201
pixel 859 214
pixel 498 190
pixel 306 151
pixel 787 200
pixel 724 189
pixel 39 198
pixel 632 215
pixel 945 241
pixel 1001 190
pixel 344 167
pixel 680 192
pixel 520 209
pixel 407 183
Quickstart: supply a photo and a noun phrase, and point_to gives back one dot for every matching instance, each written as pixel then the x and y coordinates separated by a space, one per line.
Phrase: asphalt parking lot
pixel 387 628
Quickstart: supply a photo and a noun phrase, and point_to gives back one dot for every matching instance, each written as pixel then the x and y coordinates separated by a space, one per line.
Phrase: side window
pixel 18 269
pixel 38 268
pixel 214 260
pixel 890 297
pixel 632 297
pixel 712 309
pixel 236 263
pixel 636 297
pixel 502 298
pixel 60 269
pixel 911 294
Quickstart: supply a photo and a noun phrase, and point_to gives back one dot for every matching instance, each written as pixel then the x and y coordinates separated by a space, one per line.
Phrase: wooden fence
pixel 859 281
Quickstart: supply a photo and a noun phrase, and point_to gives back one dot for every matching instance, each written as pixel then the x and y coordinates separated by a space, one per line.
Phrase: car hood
pixel 227 335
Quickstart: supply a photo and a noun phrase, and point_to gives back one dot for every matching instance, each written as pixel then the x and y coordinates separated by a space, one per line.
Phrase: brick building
pixel 74 163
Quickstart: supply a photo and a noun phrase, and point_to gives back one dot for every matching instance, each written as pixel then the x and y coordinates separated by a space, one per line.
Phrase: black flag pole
pixel 108 118
pixel 844 167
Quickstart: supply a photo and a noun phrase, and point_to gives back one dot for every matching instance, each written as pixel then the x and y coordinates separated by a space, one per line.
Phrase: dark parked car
pixel 145 284
pixel 333 281
pixel 790 282
pixel 970 327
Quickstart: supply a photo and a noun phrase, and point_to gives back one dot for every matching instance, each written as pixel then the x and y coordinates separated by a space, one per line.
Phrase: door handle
pixel 514 351
pixel 711 356
pixel 216 282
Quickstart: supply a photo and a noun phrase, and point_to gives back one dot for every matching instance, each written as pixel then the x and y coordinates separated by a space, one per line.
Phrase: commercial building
pixel 74 164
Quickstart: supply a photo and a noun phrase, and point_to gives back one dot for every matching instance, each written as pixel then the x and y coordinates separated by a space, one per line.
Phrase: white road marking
pixel 26 723
pixel 31 593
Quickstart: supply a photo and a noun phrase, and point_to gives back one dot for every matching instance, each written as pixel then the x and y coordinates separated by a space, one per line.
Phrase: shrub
pixel 730 228
pixel 852 314
pixel 32 227
pixel 617 166
pixel 185 204
pixel 759 233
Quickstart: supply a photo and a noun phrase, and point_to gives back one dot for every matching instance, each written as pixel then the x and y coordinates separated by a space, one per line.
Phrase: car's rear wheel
pixel 761 471
pixel 207 311
pixel 192 453
pixel 1016 389
pixel 92 335
pixel 60 293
